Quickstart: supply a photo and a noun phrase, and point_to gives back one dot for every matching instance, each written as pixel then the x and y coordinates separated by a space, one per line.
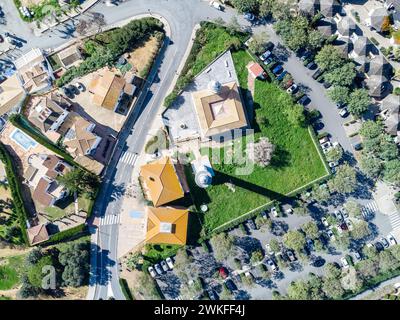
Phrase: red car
pixel 223 272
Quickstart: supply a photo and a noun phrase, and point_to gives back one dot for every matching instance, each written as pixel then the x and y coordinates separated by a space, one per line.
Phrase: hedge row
pixel 69 234
pixel 16 193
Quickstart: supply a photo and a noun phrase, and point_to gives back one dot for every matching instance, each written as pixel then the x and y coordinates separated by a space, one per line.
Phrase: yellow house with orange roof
pixel 160 181
pixel 167 225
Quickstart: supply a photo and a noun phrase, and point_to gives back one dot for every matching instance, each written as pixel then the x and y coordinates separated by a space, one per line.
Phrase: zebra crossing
pixel 129 158
pixel 394 218
pixel 110 219
pixel 369 208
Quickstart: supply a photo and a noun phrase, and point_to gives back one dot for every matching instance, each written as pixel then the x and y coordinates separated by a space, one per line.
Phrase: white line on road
pixel 110 219
pixel 129 158
pixel 395 220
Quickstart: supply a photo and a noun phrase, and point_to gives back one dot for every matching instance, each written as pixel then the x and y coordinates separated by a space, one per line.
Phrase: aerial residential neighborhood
pixel 199 150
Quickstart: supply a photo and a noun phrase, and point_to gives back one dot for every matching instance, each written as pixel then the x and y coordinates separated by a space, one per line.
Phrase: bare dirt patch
pixel 140 57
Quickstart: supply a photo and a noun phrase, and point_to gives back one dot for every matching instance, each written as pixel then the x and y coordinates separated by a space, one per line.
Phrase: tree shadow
pixel 281 52
pixel 100 275
pixel 248 244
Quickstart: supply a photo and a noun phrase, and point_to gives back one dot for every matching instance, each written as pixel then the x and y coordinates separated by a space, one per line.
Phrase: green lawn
pixel 296 161
pixel 66 207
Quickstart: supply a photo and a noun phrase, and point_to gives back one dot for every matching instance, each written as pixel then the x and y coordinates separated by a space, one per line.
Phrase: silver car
pixel 164 266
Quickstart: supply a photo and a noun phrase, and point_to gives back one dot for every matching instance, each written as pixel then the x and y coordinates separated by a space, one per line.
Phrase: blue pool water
pixel 23 140
pixel 136 214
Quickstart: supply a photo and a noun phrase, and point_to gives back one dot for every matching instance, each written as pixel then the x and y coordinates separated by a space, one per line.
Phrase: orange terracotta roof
pixel 167 225
pixel 255 69
pixel 161 181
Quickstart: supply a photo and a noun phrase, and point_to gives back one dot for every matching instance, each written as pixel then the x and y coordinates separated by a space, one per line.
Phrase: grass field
pixel 10 272
pixel 295 163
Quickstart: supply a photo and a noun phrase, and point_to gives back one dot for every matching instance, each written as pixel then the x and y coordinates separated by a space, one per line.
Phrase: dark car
pixel 251 224
pixel 317 74
pixel 282 75
pixel 327 85
pixel 318 262
pixel 269 45
pixel 304 100
pixel 67 92
pixel 211 294
pixel 291 255
pixel 74 89
pixel 305 55
pixel 230 285
pixel 379 246
pixel 358 146
pixel 277 69
pixel 312 65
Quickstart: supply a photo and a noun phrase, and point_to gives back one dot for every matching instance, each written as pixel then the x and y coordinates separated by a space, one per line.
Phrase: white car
pixel 344 113
pixel 323 140
pixel 152 272
pixel 292 88
pixel 333 164
pixel 164 266
pixel 80 86
pixel 274 212
pixel 325 222
pixel 344 262
pixel 269 250
pixel 272 265
pixel 339 229
pixel 170 263
pixel 265 55
pixel 216 5
pixel 349 224
pixel 331 235
pixel 356 256
pixel 392 240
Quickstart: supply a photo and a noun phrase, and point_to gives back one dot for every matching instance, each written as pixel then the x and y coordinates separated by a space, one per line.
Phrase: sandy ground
pixel 28 3
pixel 6 252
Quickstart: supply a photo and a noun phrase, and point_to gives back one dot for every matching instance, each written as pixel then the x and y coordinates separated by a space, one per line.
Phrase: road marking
pixel 129 158
pixel 369 208
pixel 110 219
pixel 394 218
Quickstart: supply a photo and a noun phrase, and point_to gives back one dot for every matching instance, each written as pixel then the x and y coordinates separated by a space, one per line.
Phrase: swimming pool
pixel 23 140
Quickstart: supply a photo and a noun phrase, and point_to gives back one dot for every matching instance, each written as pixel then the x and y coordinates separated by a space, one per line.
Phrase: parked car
pixel 289 211
pixel 344 113
pixel 344 262
pixel 333 164
pixel 216 5
pixel 251 224
pixel 268 249
pixel 384 242
pixel 344 212
pixel 291 255
pixel 271 264
pixel 318 262
pixel 305 55
pixel 249 16
pixel 164 266
pixel 264 214
pixel 211 294
pixel 331 235
pixel 281 76
pixel 323 140
pixel 312 65
pixel 230 285
pixel 278 69
pixel 152 272
pixel 338 215
pixel 73 89
pixel 274 212
pixel 170 263
pixel 392 240
pixel 304 100
pixel 325 222
pixel 80 86
pixel 223 272
pixel 268 61
pixel 67 92
pixel 269 45
pixel 358 146
pixel 379 246
pixel 158 269
pixel 310 244
pixel 356 256
pixel 327 85
pixel 349 224
pixel 317 73
pixel 265 55
pixel 292 88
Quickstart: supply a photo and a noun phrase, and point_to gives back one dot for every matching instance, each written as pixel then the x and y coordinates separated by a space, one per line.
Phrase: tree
pixel 359 101
pixel 354 209
pixel 34 256
pixel 342 76
pixel 332 271
pixel 191 290
pixel 329 58
pixel 368 268
pixel 387 262
pixel 315 40
pixel 244 6
pixel 339 94
pixel 333 288
pixel 80 181
pixel 344 181
pixel 266 8
pixel 335 154
pixel 391 172
pixel 294 240
pixel 310 289
pixel 360 230
pixel 274 244
pixel 233 24
pixel 370 252
pixel 256 256
pixel 27 290
pixel 310 229
pixel 75 259
pixel 182 264
pixel 145 286
pixel 35 272
pixel 261 152
pixel 225 294
pixel 222 245
pixel 371 165
pixel 371 129
pixel 259 40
